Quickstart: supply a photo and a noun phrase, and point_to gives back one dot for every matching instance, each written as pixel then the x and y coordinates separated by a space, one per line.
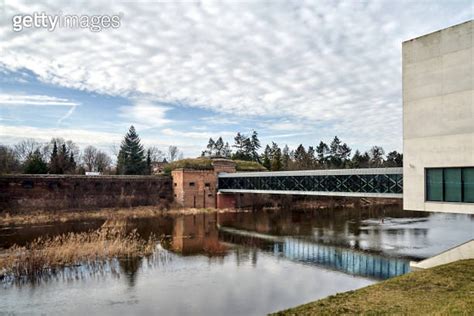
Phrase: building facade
pixel 438 121
pixel 198 188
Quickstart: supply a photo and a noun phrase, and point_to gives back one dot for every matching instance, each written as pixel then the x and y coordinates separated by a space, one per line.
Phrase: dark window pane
pixel 434 184
pixel 468 179
pixel 452 185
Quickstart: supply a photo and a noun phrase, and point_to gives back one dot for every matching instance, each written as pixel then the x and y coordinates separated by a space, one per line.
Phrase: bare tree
pixel 8 161
pixel 174 154
pixel 26 147
pixel 89 157
pixel 156 155
pixel 102 161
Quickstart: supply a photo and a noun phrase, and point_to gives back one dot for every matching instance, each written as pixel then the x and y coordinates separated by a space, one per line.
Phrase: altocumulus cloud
pixel 333 63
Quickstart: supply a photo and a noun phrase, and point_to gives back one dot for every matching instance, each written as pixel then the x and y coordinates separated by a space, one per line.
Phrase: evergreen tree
pixel 226 152
pixel 335 159
pixel 121 161
pixel 219 147
pixel 276 157
pixel 394 159
pixel 322 151
pixel 131 157
pixel 359 160
pixel 376 156
pixel 72 163
pixel 300 157
pixel 266 159
pixel 255 146
pixel 285 158
pixel 310 158
pixel 35 164
pixel 54 166
pixel 243 147
pixel 209 148
pixel 148 162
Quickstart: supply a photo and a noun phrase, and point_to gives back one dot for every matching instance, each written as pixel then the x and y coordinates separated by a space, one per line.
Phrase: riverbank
pixel 45 217
pixel 447 289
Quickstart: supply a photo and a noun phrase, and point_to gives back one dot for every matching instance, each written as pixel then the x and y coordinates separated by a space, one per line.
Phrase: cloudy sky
pixel 295 71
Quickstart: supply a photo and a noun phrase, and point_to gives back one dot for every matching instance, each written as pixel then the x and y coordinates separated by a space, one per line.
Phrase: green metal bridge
pixel 373 182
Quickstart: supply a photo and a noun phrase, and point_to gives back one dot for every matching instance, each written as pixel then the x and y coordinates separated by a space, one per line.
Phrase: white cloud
pixel 332 62
pixel 35 100
pixel 18 100
pixel 145 114
pixel 205 135
pixel 13 134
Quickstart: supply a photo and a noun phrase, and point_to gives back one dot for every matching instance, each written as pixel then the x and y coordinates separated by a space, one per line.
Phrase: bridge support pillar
pixel 225 200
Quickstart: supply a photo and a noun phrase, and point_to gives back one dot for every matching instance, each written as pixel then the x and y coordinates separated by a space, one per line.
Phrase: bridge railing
pixel 373 182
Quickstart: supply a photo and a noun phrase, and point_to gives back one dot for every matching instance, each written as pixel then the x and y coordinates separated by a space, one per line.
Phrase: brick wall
pixel 62 192
pixel 198 188
pixel 195 188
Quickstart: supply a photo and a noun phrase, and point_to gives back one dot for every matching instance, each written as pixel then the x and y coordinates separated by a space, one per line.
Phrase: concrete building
pixel 438 121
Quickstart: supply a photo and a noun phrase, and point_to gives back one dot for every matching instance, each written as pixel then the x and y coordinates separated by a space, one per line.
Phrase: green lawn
pixel 447 289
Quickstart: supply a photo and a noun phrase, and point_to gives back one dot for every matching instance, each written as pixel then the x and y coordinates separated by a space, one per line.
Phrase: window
pixel 434 184
pixel 450 184
pixel 207 185
pixel 468 182
pixel 191 184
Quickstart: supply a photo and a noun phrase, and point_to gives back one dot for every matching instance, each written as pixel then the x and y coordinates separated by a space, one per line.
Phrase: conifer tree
pixel 148 161
pixel 54 166
pixel 285 158
pixel 131 157
pixel 266 159
pixel 276 157
pixel 35 164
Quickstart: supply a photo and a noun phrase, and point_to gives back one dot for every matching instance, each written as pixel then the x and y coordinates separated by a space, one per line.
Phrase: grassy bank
pixel 45 217
pixel 447 289
pixel 70 249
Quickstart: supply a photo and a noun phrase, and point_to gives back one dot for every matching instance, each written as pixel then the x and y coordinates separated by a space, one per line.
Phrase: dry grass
pixel 443 290
pixel 44 217
pixel 70 249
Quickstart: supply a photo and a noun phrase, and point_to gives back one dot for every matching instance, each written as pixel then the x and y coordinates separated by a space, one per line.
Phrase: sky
pixel 182 72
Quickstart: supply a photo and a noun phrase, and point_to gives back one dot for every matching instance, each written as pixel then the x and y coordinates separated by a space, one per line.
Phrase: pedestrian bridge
pixel 371 182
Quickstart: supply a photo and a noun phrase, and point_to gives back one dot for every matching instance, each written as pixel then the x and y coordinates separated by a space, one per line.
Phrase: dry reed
pixel 45 217
pixel 47 253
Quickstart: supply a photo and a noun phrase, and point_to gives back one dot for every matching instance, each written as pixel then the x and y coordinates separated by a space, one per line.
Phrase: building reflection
pixel 307 251
pixel 360 229
pixel 195 234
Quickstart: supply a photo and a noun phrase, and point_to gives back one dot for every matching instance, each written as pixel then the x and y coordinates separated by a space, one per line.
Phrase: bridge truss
pixel 373 182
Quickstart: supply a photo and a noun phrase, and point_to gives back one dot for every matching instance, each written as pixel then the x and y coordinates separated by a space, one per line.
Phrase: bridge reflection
pixel 308 251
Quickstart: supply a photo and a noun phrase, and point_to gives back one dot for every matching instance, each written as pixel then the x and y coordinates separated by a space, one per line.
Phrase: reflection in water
pixel 195 233
pixel 309 252
pixel 130 267
pixel 266 256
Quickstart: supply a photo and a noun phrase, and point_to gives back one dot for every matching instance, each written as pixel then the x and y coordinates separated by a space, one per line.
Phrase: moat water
pixel 274 260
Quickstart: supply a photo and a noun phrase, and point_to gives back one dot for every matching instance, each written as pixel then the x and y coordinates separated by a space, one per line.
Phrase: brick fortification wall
pixel 198 188
pixel 62 192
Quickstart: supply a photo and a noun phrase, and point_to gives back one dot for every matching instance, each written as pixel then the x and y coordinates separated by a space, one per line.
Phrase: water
pixel 274 260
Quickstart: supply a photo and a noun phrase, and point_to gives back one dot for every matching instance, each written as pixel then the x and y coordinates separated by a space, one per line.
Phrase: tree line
pixel 60 156
pixel 335 155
